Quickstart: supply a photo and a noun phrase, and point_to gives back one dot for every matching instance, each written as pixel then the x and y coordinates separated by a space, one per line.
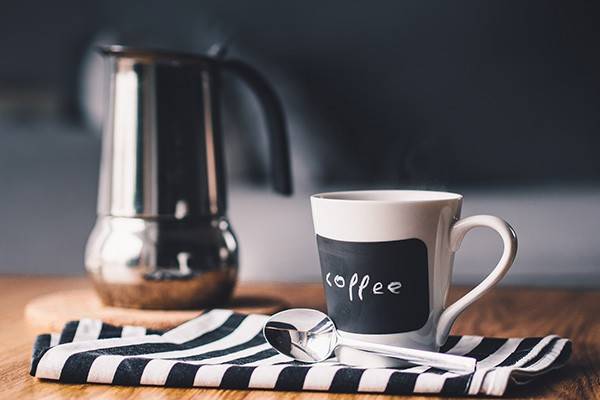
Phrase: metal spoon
pixel 310 336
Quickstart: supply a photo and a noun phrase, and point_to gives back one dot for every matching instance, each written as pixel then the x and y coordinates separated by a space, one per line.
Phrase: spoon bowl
pixel 302 334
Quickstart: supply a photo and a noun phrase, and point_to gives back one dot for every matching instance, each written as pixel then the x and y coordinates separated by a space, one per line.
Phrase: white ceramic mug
pixel 386 260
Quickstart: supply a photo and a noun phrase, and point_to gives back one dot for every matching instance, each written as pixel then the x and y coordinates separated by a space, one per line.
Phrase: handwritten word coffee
pixel 363 287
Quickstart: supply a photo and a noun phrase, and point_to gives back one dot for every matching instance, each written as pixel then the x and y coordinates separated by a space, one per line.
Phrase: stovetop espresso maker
pixel 162 239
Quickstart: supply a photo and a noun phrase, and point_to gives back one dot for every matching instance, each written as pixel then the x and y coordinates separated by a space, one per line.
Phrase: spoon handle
pixel 448 362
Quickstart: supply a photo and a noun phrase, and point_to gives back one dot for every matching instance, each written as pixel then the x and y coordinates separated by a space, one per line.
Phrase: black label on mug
pixel 375 287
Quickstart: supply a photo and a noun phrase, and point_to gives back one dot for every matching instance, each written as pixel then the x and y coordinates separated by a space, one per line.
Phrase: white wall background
pixel 48 178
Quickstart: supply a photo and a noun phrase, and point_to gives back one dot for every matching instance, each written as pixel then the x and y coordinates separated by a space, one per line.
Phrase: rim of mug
pixel 412 196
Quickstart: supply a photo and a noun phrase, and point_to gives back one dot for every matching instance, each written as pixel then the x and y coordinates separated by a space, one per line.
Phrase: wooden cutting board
pixel 50 312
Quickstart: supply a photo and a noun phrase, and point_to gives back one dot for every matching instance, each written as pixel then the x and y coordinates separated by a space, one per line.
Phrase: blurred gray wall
pixel 390 91
pixel 499 100
pixel 48 208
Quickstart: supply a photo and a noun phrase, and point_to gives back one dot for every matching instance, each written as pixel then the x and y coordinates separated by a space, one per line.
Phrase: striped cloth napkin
pixel 223 349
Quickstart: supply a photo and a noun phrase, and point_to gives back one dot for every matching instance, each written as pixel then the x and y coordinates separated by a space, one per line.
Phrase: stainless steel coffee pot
pixel 162 239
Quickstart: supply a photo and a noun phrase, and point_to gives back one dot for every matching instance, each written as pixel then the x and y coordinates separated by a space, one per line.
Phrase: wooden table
pixel 504 312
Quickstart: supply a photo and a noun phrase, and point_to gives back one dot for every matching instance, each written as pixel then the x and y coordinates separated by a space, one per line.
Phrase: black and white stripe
pixel 226 350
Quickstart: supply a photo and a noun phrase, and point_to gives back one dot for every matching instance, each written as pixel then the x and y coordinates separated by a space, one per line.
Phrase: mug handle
pixel 457 234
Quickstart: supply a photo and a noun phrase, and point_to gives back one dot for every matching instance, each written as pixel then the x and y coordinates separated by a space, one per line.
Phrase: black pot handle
pixel 275 121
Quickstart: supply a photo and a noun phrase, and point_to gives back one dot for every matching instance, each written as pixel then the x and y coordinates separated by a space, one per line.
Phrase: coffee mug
pixel 386 260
